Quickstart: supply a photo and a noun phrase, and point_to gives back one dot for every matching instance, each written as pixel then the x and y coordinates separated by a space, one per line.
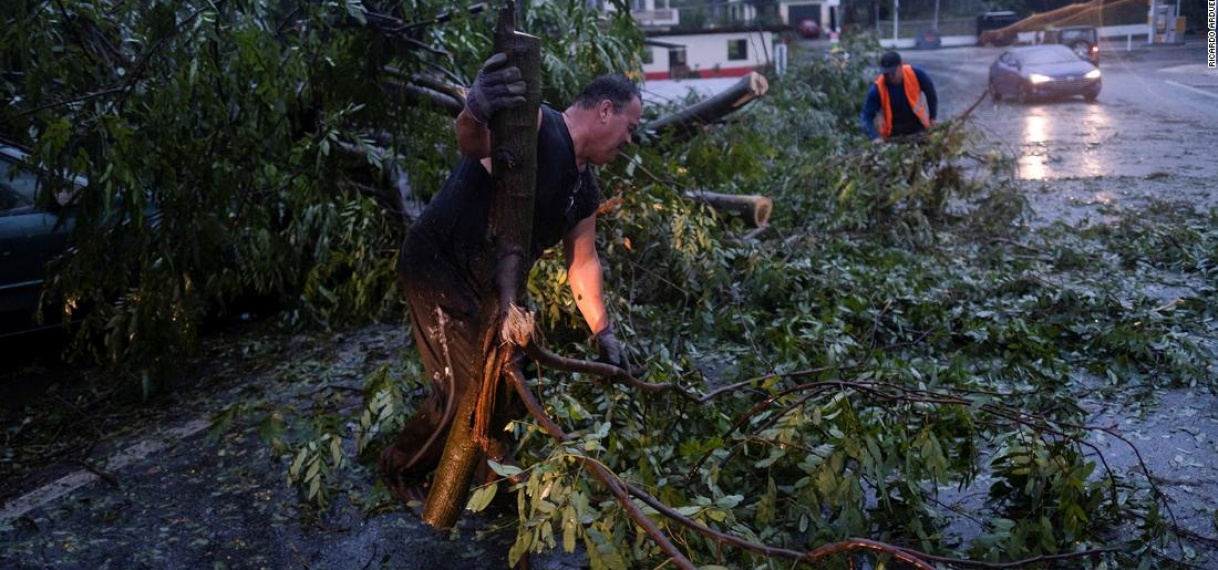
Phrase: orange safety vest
pixel 913 94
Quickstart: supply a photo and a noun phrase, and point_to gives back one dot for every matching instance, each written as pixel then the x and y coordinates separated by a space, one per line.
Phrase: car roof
pixel 13 152
pixel 1023 50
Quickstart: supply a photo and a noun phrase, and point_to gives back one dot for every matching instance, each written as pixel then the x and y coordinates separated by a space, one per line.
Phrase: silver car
pixel 1043 71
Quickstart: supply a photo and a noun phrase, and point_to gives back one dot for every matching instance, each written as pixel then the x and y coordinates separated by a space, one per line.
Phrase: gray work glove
pixel 611 349
pixel 498 86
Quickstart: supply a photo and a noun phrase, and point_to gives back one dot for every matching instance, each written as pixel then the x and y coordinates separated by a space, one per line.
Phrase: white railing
pixel 650 18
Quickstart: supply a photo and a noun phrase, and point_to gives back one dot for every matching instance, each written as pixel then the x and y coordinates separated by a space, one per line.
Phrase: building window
pixel 737 50
pixel 638 5
pixel 649 57
pixel 676 57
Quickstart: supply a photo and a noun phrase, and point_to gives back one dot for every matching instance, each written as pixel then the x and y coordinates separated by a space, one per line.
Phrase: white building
pixel 827 13
pixel 649 14
pixel 716 53
pixel 661 15
pixel 730 50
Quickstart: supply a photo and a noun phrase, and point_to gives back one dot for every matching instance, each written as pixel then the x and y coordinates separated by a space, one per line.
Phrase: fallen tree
pixel 685 122
pixel 514 170
pixel 753 210
pixel 1091 13
pixel 513 152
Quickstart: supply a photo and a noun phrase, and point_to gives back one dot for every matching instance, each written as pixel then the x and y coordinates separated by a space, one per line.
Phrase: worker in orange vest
pixel 901 102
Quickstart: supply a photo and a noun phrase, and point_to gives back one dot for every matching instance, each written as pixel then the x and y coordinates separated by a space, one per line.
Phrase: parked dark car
pixel 37 216
pixel 809 29
pixel 34 227
pixel 1084 40
pixel 1042 71
pixel 928 38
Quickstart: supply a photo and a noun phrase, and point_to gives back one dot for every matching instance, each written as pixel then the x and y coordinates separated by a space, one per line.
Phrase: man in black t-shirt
pixel 447 265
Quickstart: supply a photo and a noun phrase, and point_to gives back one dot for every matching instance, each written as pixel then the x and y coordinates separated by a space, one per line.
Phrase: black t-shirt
pixel 448 250
pixel 904 121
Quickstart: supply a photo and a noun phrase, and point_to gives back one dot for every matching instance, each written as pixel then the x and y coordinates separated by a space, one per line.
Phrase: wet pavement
pixel 1151 118
pixel 1148 138
pixel 170 492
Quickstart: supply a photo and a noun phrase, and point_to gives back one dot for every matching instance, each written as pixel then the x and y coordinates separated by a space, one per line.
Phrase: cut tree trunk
pixel 514 170
pixel 686 122
pixel 753 210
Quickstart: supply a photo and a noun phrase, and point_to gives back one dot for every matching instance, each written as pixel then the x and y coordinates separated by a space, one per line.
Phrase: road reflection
pixel 1032 162
pixel 1064 139
pixel 1098 126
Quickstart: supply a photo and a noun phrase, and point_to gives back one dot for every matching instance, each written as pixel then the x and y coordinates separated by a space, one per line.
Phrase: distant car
pixel 1032 72
pixel 928 38
pixel 809 29
pixel 1084 40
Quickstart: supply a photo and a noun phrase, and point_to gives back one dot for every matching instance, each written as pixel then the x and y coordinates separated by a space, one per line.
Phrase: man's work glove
pixel 498 86
pixel 611 349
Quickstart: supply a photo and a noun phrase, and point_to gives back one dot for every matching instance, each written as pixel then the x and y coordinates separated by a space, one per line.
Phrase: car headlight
pixel 1093 74
pixel 1038 78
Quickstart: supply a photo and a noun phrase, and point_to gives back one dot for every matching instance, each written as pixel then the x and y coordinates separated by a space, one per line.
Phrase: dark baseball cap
pixel 890 61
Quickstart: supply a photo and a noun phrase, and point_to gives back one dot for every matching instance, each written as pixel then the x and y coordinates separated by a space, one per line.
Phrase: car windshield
pixel 1047 55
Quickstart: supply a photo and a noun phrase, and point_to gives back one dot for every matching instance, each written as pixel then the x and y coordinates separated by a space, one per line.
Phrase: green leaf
pixel 504 470
pixel 729 502
pixel 570 529
pixel 355 9
pixel 482 497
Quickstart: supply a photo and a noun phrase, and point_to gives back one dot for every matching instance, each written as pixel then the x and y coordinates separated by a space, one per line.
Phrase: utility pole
pixel 896 15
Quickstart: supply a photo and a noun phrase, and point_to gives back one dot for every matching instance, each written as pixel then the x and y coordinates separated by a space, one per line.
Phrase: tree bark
pixel 681 124
pixel 514 170
pixel 753 210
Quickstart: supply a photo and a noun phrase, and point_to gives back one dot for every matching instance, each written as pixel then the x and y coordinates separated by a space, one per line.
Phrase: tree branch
pixel 623 491
pixel 608 371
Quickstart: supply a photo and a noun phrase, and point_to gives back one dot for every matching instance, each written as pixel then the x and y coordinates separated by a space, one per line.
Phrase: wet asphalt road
pixel 1155 113
pixel 1149 136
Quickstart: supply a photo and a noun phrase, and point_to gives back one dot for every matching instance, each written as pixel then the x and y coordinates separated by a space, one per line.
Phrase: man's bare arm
pixel 584 273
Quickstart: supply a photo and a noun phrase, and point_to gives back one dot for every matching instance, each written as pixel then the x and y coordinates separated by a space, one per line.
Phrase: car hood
pixel 1079 67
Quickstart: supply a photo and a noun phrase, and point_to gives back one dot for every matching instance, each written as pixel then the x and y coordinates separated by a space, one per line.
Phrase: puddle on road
pixel 1087 162
pixel 1074 139
pixel 1041 158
